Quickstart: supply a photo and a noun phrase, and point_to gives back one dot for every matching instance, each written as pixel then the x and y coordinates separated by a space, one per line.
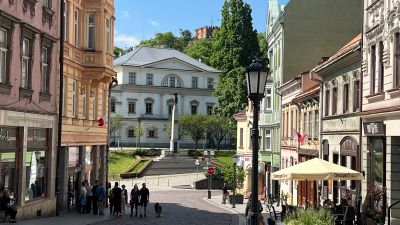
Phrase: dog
pixel 157 209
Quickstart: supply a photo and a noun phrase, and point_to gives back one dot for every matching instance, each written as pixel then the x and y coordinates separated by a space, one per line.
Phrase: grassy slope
pixel 224 157
pixel 119 161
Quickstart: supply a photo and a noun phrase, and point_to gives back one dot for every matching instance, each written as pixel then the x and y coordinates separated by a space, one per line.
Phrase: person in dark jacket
pixel 100 196
pixel 94 198
pixel 144 199
pixel 135 199
pixel 8 206
pixel 116 195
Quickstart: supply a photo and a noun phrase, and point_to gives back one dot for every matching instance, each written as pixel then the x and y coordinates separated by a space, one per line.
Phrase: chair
pixel 349 216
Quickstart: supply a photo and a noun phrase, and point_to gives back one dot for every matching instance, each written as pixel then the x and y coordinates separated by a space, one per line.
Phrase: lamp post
pixel 197 163
pixel 209 153
pixel 235 158
pixel 257 74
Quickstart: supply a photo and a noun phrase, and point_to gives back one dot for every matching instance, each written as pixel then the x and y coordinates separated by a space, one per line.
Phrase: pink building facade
pixel 28 103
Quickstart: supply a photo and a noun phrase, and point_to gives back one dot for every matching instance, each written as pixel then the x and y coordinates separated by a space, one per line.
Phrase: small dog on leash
pixel 157 209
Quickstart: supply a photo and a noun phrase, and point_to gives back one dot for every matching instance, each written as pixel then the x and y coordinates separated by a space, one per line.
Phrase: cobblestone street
pixel 180 207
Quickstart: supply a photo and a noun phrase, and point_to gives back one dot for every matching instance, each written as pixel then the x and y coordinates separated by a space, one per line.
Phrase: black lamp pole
pixel 256 80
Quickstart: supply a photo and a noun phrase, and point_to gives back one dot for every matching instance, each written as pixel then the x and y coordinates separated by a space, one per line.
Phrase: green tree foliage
pixel 120 51
pixel 194 126
pixel 139 131
pixel 200 49
pixel 219 127
pixel 116 124
pixel 169 40
pixel 262 42
pixel 227 174
pixel 235 44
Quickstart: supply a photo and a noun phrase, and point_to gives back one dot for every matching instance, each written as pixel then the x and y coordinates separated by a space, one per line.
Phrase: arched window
pixel 172 81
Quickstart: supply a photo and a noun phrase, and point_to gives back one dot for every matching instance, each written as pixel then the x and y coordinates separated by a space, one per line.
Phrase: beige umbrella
pixel 316 169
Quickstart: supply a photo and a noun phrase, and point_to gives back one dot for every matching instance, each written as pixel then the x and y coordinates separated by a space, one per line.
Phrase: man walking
pixel 116 195
pixel 100 196
pixel 144 199
pixel 89 196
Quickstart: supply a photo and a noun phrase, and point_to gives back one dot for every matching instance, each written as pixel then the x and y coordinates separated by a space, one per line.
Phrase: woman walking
pixel 135 198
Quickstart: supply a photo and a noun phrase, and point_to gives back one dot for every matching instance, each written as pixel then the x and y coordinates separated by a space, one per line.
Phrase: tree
pixel 169 40
pixel 219 127
pixel 234 46
pixel 120 52
pixel 262 42
pixel 227 173
pixel 194 125
pixel 200 49
pixel 116 124
pixel 139 131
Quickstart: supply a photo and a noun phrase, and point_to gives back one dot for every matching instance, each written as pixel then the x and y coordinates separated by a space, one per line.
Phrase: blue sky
pixel 140 19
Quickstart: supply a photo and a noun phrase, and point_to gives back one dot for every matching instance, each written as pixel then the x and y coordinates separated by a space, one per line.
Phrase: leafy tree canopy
pixel 169 40
pixel 234 46
pixel 120 51
pixel 200 49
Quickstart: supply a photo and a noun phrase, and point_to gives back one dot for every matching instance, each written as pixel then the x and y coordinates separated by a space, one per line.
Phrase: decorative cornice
pixel 31 4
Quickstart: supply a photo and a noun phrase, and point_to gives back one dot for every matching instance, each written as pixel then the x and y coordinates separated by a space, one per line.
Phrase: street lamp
pixel 197 163
pixel 209 153
pixel 257 74
pixel 235 161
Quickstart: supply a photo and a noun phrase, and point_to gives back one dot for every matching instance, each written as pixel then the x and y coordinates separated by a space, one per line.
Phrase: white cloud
pixel 154 23
pixel 123 40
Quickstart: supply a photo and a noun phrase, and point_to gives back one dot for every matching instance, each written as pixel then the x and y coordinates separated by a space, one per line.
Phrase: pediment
pixel 173 64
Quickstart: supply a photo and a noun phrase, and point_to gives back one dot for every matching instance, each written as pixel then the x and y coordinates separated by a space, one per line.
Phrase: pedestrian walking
pixel 110 198
pixel 116 195
pixel 248 212
pixel 144 199
pixel 94 198
pixel 82 198
pixel 135 198
pixel 101 197
pixel 89 196
pixel 225 193
pixel 7 204
pixel 124 198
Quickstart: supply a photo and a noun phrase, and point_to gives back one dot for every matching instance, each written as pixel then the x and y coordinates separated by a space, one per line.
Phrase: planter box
pixel 238 199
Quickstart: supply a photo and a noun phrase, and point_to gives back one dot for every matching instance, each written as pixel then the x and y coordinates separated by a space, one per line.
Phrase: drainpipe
pixel 60 106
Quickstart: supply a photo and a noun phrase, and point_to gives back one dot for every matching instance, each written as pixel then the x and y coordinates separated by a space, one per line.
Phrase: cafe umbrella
pixel 316 169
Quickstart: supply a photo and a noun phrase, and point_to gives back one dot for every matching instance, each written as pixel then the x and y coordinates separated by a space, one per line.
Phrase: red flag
pixel 100 122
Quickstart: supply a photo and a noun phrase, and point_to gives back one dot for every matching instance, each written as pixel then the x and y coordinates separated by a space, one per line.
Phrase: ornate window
pixel 149 79
pixel 172 81
pixel 152 132
pixel 3 55
pixel 91 30
pixel 193 107
pixel 149 105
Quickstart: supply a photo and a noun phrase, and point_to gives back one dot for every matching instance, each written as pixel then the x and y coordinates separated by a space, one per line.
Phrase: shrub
pixel 147 152
pixel 194 153
pixel 309 217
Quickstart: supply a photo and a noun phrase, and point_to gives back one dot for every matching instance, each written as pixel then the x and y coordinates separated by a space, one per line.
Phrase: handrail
pixel 395 203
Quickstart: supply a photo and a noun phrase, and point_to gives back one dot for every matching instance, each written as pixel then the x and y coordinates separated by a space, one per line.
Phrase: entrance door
pixel 73 190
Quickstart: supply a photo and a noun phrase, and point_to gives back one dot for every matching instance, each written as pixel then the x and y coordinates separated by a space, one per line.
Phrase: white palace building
pixel 147 79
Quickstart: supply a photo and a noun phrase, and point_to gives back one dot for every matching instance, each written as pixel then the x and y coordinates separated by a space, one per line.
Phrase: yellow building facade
pixel 88 72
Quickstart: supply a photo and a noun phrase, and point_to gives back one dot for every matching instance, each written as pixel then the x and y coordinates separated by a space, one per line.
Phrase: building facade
pixel 28 109
pixel 295 45
pixel 88 71
pixel 289 143
pixel 340 122
pixel 381 104
pixel 144 98
pixel 244 150
pixel 205 32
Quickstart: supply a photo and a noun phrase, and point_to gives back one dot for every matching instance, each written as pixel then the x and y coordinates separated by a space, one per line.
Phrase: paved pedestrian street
pixel 180 207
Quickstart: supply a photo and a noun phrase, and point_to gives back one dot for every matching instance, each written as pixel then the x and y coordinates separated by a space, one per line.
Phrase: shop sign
pixel 37 138
pixel 374 128
pixel 8 138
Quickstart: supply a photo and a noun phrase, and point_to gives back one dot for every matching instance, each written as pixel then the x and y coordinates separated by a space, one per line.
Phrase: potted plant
pixel 375 214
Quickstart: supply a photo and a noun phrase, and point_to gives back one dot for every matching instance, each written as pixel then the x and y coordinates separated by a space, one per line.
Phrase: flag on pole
pixel 300 138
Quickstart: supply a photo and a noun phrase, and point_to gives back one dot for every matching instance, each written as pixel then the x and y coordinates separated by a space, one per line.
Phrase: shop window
pixel 8 171
pixel 35 164
pixel 377 162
